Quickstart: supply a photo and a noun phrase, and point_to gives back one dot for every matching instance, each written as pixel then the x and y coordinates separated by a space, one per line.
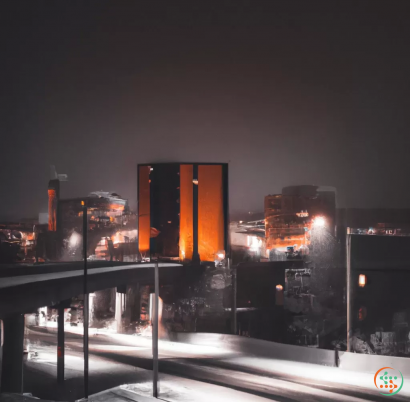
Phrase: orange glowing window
pixel 52 210
pixel 210 211
pixel 144 218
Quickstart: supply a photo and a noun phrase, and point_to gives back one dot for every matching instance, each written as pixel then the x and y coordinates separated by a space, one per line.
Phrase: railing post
pixel 85 315
pixel 155 333
pixel 60 344
pixel 234 294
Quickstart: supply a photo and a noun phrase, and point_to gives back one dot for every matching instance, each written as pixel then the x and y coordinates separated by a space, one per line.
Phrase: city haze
pixel 291 93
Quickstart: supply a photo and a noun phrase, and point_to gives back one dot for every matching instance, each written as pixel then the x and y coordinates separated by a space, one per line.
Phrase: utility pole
pixel 85 314
pixel 348 274
pixel 155 334
pixel 60 344
pixel 234 292
pixel 195 254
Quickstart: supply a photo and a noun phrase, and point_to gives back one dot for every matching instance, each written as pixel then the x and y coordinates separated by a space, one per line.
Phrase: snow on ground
pixel 315 373
pixel 177 389
pixel 165 346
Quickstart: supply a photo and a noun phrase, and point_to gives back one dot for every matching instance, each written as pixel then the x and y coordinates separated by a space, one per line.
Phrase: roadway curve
pixel 126 359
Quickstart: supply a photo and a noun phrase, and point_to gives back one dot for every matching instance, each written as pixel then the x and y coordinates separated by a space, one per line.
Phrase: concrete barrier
pixel 273 350
pixel 373 363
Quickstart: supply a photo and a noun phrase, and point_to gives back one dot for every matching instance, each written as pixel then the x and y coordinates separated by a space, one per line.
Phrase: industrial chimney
pixel 53 197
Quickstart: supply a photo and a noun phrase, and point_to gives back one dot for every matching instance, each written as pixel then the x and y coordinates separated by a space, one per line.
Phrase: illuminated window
pixel 362 280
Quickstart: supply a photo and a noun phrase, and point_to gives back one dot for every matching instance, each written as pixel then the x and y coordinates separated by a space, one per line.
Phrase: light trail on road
pixel 125 359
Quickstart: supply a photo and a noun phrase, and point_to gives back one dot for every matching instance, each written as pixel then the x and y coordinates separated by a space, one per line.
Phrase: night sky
pixel 287 92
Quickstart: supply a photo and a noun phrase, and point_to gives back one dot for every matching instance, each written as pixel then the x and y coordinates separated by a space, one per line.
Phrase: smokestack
pixel 53 196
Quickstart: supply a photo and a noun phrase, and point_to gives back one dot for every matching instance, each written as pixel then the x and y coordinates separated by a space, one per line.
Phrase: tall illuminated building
pixel 183 210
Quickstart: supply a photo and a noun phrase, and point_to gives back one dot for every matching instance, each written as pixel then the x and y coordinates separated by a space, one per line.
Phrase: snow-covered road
pixel 188 372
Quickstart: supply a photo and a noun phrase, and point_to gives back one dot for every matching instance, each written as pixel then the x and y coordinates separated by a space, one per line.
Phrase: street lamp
pixel 319 222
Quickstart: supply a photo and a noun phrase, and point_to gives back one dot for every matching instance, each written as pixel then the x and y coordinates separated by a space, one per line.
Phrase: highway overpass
pixel 25 288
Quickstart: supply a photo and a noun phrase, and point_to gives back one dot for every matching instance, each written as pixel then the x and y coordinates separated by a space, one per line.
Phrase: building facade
pixel 183 210
pixel 291 216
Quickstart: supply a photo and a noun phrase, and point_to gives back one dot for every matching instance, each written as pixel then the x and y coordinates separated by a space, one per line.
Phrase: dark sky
pixel 287 92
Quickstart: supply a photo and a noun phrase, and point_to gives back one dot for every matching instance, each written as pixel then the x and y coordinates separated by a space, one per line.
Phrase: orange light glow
pixel 117 238
pixel 210 211
pixel 144 219
pixel 116 207
pixel 362 313
pixel 254 243
pixel 186 244
pixel 52 210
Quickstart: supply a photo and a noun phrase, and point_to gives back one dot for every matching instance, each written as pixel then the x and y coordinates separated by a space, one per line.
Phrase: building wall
pixel 171 196
pixel 186 240
pixel 144 217
pixel 211 231
pixel 381 308
pixel 165 209
pixel 289 216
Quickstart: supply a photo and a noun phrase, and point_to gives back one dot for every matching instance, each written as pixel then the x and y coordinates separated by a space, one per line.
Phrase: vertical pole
pixel 234 292
pixel 195 254
pixel 118 311
pixel 60 344
pixel 348 273
pixel 85 318
pixel 155 334
pixel 12 361
pixel 225 195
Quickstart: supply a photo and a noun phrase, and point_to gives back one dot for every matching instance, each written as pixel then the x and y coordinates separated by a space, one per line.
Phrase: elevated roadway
pixel 24 288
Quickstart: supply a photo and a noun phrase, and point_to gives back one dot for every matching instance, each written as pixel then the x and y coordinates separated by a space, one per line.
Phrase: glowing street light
pixel 319 222
pixel 75 239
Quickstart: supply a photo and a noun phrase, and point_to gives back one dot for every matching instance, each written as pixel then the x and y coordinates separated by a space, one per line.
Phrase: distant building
pixel 378 273
pixel 248 241
pixel 382 221
pixel 112 227
pixel 290 217
pixel 17 241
